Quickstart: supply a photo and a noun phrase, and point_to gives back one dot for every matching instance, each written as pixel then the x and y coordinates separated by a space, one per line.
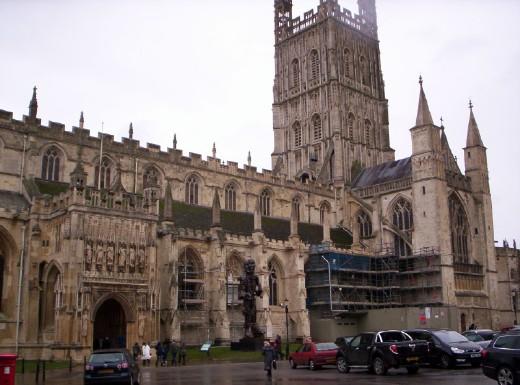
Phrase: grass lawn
pixel 30 365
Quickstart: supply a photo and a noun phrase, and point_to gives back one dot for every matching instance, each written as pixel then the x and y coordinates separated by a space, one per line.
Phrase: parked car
pixel 314 355
pixel 379 351
pixel 448 347
pixel 501 359
pixel 482 337
pixel 341 341
pixel 109 366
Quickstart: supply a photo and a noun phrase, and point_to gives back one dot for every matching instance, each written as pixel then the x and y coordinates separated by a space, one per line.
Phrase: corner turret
pixel 282 16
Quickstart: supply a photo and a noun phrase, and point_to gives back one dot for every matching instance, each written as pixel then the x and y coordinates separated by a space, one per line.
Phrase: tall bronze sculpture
pixel 248 289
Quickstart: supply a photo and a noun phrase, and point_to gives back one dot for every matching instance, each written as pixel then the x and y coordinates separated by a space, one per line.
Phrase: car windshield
pixel 448 336
pixel 326 346
pixel 98 358
pixel 474 337
pixel 393 337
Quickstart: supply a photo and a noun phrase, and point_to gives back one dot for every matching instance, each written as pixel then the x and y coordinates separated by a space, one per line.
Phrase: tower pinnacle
pixel 81 120
pixel 131 131
pixel 423 112
pixel 473 139
pixel 33 105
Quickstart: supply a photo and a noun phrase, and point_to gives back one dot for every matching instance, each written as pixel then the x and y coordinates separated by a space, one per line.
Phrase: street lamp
pixel 330 284
pixel 285 305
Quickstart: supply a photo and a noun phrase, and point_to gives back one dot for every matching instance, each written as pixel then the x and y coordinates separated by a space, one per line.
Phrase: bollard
pixel 23 365
pixel 43 371
pixel 37 371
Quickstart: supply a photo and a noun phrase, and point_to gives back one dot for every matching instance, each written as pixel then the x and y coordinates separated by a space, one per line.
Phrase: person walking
pixel 269 357
pixel 136 351
pixel 278 347
pixel 174 349
pixel 147 354
pixel 182 354
pixel 158 352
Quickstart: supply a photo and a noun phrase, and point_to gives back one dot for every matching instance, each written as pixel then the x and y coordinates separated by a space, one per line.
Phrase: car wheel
pixel 446 362
pixel 505 376
pixel 312 365
pixel 341 365
pixel 413 369
pixel 292 364
pixel 379 366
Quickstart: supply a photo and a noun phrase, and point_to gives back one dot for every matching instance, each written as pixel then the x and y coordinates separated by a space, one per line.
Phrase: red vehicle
pixel 314 355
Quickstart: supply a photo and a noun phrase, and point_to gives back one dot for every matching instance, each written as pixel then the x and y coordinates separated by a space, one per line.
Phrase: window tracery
pixel 51 164
pixel 230 197
pixel 402 218
pixel 459 230
pixel 265 203
pixel 365 225
pixel 315 65
pixel 316 124
pixel 192 190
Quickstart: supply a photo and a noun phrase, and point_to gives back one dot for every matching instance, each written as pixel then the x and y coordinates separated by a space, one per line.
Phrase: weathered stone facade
pixel 112 239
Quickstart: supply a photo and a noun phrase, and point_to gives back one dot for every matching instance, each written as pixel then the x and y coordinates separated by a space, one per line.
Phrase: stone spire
pixel 33 105
pixel 249 158
pixel 131 131
pixel 214 150
pixel 424 116
pixel 473 138
pixel 215 210
pixel 174 141
pixel 81 120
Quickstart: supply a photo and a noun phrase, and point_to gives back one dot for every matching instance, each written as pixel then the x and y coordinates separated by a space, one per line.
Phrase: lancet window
pixel 51 164
pixel 365 225
pixel 192 190
pixel 103 170
pixel 402 218
pixel 459 230
pixel 316 124
pixel 265 203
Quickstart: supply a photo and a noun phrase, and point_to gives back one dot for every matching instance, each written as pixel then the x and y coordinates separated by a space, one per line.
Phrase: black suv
pixel 501 359
pixel 448 347
pixel 111 366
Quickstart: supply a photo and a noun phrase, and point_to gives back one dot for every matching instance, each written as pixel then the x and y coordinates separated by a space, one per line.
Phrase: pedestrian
pixel 146 354
pixel 136 351
pixel 182 354
pixel 158 353
pixel 174 349
pixel 269 357
pixel 278 347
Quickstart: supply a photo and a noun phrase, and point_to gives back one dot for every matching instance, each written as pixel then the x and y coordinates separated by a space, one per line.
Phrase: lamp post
pixel 285 305
pixel 330 284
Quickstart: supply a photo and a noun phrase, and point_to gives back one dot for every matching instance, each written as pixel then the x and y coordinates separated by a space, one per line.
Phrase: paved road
pixel 252 374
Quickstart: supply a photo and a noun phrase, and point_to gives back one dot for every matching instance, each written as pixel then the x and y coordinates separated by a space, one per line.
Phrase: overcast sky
pixel 204 69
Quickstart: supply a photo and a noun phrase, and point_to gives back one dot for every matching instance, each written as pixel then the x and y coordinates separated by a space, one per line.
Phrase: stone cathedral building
pixel 102 238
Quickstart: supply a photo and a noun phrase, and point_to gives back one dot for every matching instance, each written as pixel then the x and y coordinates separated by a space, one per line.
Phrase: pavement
pixel 253 374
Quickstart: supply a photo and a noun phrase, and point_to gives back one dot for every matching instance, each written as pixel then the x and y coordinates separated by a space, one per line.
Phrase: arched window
pixel 297 129
pixel 296 207
pixel 324 210
pixel 190 279
pixel 347 62
pixel 192 190
pixel 265 203
pixel 402 218
pixel 350 126
pixel 365 225
pixel 230 196
pixel 368 130
pixel 234 270
pixel 459 230
pixel 364 70
pixel 151 178
pixel 274 275
pixel 53 297
pixel 315 65
pixel 51 164
pixel 295 69
pixel 316 125
pixel 58 292
pixel 106 171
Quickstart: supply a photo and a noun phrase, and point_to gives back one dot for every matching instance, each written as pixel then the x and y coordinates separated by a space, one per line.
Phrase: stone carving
pixel 84 324
pixel 88 255
pixel 141 325
pixel 121 262
pixel 248 289
pixel 100 256
pixel 141 260
pixel 131 259
pixel 110 257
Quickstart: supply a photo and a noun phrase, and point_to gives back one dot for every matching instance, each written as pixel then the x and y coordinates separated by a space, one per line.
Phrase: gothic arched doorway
pixel 110 326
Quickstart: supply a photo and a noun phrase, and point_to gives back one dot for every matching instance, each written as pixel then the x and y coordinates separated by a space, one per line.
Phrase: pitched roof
pixel 384 172
pixel 12 201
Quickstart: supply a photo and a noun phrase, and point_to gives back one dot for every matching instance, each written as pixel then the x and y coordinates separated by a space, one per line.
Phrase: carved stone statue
pixel 88 256
pixel 121 262
pixel 110 257
pixel 131 259
pixel 248 289
pixel 100 256
pixel 140 260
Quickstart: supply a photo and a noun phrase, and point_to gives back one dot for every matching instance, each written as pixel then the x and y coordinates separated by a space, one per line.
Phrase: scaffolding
pixel 339 283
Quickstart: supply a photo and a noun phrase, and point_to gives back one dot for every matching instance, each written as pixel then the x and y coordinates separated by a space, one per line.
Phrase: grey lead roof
pixel 12 201
pixel 383 173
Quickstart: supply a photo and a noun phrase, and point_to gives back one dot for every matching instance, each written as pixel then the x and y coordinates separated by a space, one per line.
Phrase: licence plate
pixel 475 355
pixel 105 371
pixel 410 359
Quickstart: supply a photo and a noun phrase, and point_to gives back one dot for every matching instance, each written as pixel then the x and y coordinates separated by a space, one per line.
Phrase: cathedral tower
pixel 330 114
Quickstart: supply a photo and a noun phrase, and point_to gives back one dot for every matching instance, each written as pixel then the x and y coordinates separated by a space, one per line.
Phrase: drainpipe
pixel 19 299
pixel 22 165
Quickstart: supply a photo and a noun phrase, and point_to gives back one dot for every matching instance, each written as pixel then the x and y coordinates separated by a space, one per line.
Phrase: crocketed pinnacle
pixel 33 105
pixel 473 138
pixel 423 112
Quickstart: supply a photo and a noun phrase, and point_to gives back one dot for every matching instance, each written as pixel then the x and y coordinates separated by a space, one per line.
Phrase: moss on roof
pixel 51 187
pixel 310 233
pixel 340 238
pixel 191 216
pixel 237 222
pixel 276 228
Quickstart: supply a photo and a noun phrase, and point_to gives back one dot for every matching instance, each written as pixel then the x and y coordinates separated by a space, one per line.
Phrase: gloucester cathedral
pixel 103 238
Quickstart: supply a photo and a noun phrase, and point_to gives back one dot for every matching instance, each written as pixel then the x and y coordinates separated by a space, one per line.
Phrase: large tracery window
pixel 316 125
pixel 192 190
pixel 51 164
pixel 295 69
pixel 368 129
pixel 402 218
pixel 265 203
pixel 190 278
pixel 151 178
pixel 459 230
pixel 365 225
pixel 315 65
pixel 230 197
pixel 297 128
pixel 296 207
pixel 350 126
pixel 274 275
pixel 106 171
pixel 364 70
pixel 234 269
pixel 324 210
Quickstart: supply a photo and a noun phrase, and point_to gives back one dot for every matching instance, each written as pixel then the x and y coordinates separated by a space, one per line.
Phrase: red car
pixel 314 355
